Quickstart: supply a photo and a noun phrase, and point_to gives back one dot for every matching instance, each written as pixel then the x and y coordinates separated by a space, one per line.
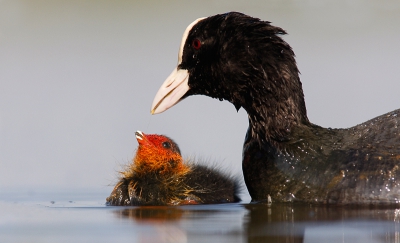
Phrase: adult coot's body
pixel 244 60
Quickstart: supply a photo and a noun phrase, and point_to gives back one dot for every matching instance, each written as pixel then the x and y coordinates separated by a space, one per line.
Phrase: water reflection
pixel 263 223
pixel 304 223
pixel 188 223
pixel 152 214
pixel 162 221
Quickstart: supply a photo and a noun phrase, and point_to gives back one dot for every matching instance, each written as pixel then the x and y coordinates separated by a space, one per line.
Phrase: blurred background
pixel 77 79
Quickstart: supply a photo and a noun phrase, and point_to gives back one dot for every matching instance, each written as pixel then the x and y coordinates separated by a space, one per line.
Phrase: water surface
pixel 51 217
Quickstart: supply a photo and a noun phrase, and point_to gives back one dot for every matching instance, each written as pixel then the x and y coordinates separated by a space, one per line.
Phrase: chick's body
pixel 159 176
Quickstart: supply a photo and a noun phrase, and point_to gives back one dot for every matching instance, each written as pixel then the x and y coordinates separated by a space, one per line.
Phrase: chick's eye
pixel 166 145
pixel 196 44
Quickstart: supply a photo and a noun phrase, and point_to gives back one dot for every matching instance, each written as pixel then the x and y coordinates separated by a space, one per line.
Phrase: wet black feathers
pixel 238 55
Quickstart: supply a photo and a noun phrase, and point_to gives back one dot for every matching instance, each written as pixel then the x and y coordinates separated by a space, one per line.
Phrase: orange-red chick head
pixel 158 153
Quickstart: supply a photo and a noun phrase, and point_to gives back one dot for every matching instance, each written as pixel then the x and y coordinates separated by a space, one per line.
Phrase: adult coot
pixel 245 61
pixel 159 176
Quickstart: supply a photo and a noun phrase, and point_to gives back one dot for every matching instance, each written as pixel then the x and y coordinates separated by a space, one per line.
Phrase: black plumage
pixel 245 61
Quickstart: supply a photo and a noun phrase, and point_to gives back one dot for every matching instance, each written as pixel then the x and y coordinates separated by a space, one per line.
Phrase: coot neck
pixel 274 114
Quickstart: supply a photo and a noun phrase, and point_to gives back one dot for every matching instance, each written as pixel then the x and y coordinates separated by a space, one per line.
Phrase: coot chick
pixel 159 176
pixel 245 61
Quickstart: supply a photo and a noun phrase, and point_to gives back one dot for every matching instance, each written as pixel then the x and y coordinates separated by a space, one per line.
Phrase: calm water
pixel 52 217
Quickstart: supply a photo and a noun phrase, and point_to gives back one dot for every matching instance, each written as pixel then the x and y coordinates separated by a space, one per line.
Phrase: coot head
pixel 237 58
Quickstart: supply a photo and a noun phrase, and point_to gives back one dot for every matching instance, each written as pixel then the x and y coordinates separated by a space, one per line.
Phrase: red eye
pixel 196 44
